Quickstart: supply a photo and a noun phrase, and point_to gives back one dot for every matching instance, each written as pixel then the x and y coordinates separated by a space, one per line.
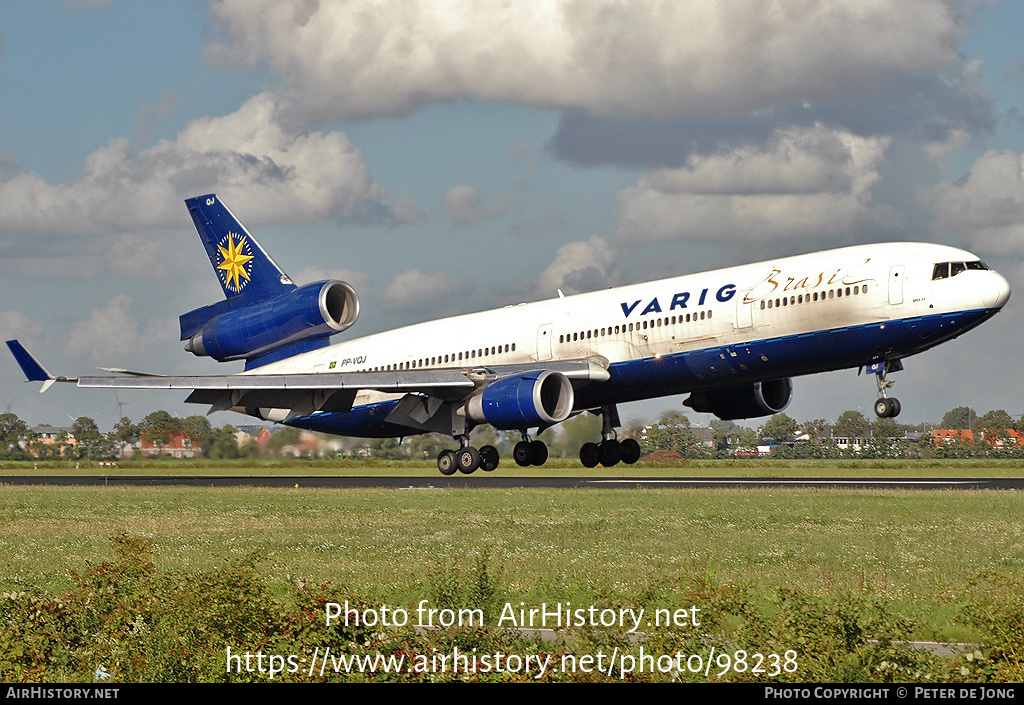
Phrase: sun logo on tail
pixel 236 262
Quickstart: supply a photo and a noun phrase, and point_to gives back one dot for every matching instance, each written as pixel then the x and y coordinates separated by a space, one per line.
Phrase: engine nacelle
pixel 309 312
pixel 540 398
pixel 744 401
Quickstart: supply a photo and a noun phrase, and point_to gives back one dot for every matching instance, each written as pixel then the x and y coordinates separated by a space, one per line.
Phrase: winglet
pixel 31 367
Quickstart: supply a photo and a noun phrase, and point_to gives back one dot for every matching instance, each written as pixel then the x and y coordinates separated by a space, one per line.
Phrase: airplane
pixel 733 339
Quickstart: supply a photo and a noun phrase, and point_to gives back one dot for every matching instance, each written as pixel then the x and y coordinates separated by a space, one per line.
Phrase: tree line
pixel 19 442
pixel 878 438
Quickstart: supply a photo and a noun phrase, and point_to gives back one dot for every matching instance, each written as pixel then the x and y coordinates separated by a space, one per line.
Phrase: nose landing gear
pixel 886 407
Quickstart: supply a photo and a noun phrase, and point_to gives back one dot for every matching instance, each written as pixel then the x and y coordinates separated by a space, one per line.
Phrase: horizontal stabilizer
pixel 133 373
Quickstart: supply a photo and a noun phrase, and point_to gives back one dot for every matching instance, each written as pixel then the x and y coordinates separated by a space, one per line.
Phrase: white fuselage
pixel 793 296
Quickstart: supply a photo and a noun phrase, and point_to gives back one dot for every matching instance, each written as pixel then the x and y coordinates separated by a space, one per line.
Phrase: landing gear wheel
pixel 610 452
pixel 630 451
pixel 447 463
pixel 590 455
pixel 538 453
pixel 887 407
pixel 521 454
pixel 488 458
pixel 469 460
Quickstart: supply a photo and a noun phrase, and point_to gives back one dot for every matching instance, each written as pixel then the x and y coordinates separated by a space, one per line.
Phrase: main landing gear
pixel 527 452
pixel 886 407
pixel 467 459
pixel 610 451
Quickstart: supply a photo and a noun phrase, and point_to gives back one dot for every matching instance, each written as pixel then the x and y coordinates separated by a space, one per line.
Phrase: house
pixel 179 445
pixel 997 439
pixel 52 440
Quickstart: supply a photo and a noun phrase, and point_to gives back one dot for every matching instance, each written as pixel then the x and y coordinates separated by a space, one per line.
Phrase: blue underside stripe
pixel 681 373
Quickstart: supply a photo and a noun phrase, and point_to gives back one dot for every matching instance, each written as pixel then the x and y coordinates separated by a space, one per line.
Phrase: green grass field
pixel 919 549
pixel 928 556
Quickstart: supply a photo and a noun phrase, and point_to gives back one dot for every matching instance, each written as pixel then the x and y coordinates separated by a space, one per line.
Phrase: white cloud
pixel 987 208
pixel 356 60
pixel 15 325
pixel 810 183
pixel 406 209
pixel 415 290
pixel 150 115
pixel 547 223
pixel 578 267
pixel 263 170
pixel 111 332
pixel 465 204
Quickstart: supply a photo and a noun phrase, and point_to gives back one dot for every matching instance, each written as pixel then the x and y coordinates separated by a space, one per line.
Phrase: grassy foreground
pixel 834 574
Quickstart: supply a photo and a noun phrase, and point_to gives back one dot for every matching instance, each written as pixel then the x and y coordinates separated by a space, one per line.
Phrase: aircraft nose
pixel 997 291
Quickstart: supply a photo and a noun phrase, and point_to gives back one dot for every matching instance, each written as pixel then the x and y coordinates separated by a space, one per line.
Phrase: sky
pixel 450 157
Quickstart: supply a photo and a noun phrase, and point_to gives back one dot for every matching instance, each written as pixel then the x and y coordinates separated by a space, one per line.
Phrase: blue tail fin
pixel 243 268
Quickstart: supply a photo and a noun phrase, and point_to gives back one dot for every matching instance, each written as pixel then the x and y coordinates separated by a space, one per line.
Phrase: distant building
pixel 54 439
pixel 1009 438
pixel 179 446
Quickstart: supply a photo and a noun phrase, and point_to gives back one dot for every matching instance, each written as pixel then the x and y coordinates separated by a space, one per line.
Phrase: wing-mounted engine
pixel 744 401
pixel 231 330
pixel 540 398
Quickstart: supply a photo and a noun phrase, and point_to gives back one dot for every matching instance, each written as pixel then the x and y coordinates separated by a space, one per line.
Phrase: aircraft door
pixel 744 311
pixel 544 342
pixel 896 285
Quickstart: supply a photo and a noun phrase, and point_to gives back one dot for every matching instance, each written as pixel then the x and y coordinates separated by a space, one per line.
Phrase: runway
pixel 509 480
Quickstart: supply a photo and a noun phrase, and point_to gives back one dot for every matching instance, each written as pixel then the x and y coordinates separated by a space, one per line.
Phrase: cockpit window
pixel 944 270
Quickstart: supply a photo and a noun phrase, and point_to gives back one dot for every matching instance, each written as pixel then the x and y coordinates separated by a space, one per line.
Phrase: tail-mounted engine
pixel 230 330
pixel 744 401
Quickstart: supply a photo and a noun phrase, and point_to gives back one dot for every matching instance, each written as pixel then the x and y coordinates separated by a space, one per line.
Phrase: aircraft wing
pixel 304 394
